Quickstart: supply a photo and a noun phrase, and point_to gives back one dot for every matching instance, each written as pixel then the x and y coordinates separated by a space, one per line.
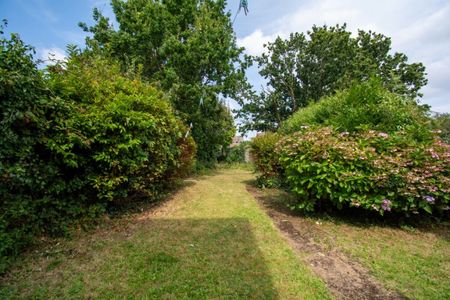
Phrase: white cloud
pixel 420 29
pixel 50 55
pixel 254 43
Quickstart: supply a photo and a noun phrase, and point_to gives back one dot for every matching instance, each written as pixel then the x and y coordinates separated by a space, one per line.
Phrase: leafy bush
pixel 364 106
pixel 129 138
pixel 211 135
pixel 266 159
pixel 372 170
pixel 77 139
pixel 29 172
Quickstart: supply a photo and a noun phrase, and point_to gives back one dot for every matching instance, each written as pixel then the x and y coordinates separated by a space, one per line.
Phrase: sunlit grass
pixel 412 261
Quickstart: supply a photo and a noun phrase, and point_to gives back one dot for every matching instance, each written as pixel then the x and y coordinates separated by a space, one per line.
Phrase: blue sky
pixel 420 29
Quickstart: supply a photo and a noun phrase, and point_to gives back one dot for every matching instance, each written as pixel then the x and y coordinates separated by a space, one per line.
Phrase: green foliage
pixel 266 159
pixel 127 127
pixel 370 169
pixel 212 135
pixel 76 139
pixel 305 68
pixel 189 49
pixel 31 186
pixel 236 154
pixel 365 105
pixel 441 123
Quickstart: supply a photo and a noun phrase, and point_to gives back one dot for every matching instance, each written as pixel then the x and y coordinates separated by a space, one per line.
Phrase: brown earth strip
pixel 345 278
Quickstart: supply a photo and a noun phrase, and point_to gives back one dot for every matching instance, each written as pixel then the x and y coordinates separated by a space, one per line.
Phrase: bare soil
pixel 345 278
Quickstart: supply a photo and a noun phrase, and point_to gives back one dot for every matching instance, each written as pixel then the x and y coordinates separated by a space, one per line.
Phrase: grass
pixel 211 241
pixel 412 260
pixel 235 165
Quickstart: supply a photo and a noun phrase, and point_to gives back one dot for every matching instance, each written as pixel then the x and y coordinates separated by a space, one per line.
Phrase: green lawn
pixel 211 241
pixel 415 262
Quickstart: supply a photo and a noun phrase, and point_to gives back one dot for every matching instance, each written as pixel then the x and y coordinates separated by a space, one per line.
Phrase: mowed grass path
pixel 211 241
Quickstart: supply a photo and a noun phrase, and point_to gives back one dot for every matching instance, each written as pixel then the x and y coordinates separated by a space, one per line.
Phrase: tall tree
pixel 304 68
pixel 188 48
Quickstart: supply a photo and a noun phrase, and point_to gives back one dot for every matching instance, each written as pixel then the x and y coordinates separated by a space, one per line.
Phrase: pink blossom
pixel 434 155
pixel 386 205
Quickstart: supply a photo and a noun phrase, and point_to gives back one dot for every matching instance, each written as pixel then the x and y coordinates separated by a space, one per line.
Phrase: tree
pixel 188 48
pixel 304 68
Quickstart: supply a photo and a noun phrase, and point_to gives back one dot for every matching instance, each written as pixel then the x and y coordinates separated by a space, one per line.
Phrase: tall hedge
pixel 75 139
pixel 30 175
pixel 129 138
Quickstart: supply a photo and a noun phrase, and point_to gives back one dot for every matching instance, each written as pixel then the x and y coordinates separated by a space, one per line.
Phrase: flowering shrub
pixel 266 159
pixel 370 169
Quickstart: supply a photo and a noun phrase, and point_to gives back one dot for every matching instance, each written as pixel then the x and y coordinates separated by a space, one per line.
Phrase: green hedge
pixel 76 139
pixel 441 124
pixel 128 128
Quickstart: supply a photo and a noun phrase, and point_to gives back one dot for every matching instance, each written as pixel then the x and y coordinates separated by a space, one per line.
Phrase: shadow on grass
pixel 141 201
pixel 280 200
pixel 160 259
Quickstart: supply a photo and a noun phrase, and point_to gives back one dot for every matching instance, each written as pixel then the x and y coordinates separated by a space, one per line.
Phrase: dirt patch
pixel 345 278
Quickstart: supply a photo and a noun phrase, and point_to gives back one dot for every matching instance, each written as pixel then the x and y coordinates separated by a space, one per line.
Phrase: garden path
pixel 210 240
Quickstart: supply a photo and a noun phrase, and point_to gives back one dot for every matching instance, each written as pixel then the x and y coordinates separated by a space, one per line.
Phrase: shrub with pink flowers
pixel 367 169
